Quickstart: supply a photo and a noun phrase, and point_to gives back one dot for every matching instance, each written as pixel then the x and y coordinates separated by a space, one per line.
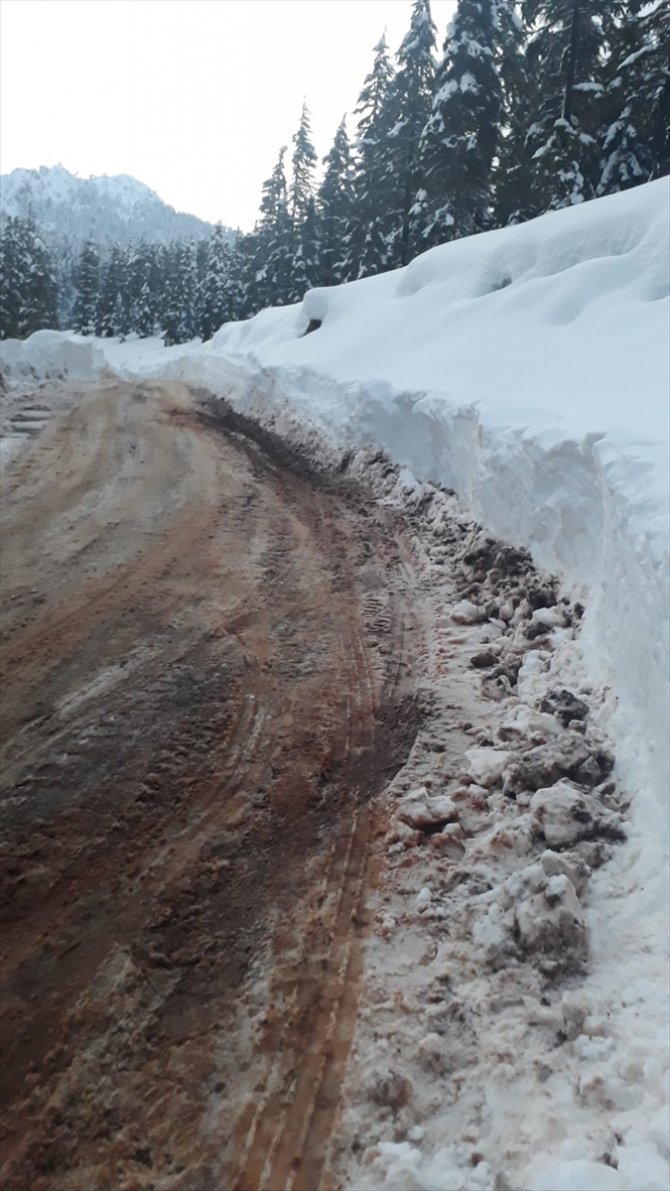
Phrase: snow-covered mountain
pixel 108 210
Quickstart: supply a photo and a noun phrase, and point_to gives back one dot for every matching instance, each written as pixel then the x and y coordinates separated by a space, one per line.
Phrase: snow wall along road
pixel 528 369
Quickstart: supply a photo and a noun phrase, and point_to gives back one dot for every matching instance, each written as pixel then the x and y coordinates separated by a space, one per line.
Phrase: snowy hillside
pixel 108 210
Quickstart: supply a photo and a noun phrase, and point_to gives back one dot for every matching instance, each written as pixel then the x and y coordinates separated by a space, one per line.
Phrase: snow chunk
pixel 565 814
pixel 466 612
pixel 487 765
pixel 421 809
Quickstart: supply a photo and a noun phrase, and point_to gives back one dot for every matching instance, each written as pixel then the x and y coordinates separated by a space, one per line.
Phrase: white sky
pixel 193 97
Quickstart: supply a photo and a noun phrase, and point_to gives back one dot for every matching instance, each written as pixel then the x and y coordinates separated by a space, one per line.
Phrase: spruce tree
pixel 246 263
pixel 334 208
pixel 304 234
pixel 513 168
pixel 213 306
pixel 180 318
pixel 10 280
pixel 635 138
pixel 87 281
pixel 160 288
pixel 144 312
pixel 565 53
pixel 28 287
pixel 461 138
pixel 233 296
pixel 410 105
pixel 303 164
pixel 39 309
pixel 111 293
pixel 306 255
pixel 369 246
pixel 271 257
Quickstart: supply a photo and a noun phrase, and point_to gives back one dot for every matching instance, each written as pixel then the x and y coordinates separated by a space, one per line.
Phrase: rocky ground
pixel 299 810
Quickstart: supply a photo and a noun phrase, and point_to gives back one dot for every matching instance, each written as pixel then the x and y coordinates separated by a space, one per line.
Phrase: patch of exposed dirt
pixel 207 674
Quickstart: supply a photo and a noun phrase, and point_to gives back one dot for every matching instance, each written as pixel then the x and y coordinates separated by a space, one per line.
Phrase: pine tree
pixel 160 286
pixel 460 140
pixel 111 293
pixel 636 134
pixel 180 320
pixel 513 168
pixel 271 247
pixel 304 235
pixel 305 257
pixel 10 281
pixel 213 307
pixel 303 164
pixel 369 242
pixel 334 208
pixel 233 296
pixel 144 312
pixel 28 288
pixel 39 307
pixel 247 263
pixel 410 104
pixel 565 54
pixel 87 281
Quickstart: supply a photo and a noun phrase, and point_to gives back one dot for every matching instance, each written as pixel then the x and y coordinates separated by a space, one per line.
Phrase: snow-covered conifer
pixel 214 305
pixel 111 294
pixel 303 164
pixel 370 237
pixel 335 199
pixel 461 137
pixel 179 320
pixel 11 272
pixel 87 281
pixel 28 288
pixel 635 139
pixel 565 56
pixel 410 102
pixel 270 260
pixel 512 166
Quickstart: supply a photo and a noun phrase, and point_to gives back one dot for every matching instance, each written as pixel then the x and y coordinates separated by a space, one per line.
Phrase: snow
pixel 528 370
pixel 50 355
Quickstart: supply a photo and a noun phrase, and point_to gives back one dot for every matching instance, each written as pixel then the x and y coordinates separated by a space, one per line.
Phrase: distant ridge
pixel 108 210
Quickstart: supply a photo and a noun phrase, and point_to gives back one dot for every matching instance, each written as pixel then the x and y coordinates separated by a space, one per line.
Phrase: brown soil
pixel 207 677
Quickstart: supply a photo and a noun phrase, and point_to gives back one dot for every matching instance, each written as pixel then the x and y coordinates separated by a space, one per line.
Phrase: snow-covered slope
pixel 108 210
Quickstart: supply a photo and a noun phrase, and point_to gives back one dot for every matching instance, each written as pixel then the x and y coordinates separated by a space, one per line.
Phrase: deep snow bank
pixel 527 368
pixel 50 355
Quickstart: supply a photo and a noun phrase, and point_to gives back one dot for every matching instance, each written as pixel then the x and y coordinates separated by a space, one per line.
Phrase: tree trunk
pixel 572 64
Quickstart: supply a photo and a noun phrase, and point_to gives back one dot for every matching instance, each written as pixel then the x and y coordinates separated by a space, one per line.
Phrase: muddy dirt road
pixel 206 678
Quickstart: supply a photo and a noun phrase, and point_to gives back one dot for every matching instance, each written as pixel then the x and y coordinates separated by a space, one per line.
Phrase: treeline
pixel 532 107
pixel 179 290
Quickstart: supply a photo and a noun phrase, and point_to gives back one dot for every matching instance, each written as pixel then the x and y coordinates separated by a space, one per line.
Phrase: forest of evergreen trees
pixel 532 107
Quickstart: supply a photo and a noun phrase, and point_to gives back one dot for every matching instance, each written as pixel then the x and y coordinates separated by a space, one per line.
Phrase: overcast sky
pixel 193 97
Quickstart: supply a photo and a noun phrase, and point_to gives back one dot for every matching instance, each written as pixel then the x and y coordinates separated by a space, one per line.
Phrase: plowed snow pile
pixel 514 1028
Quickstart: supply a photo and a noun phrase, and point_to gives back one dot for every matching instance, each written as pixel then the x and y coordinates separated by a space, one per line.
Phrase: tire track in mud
pixel 189 849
